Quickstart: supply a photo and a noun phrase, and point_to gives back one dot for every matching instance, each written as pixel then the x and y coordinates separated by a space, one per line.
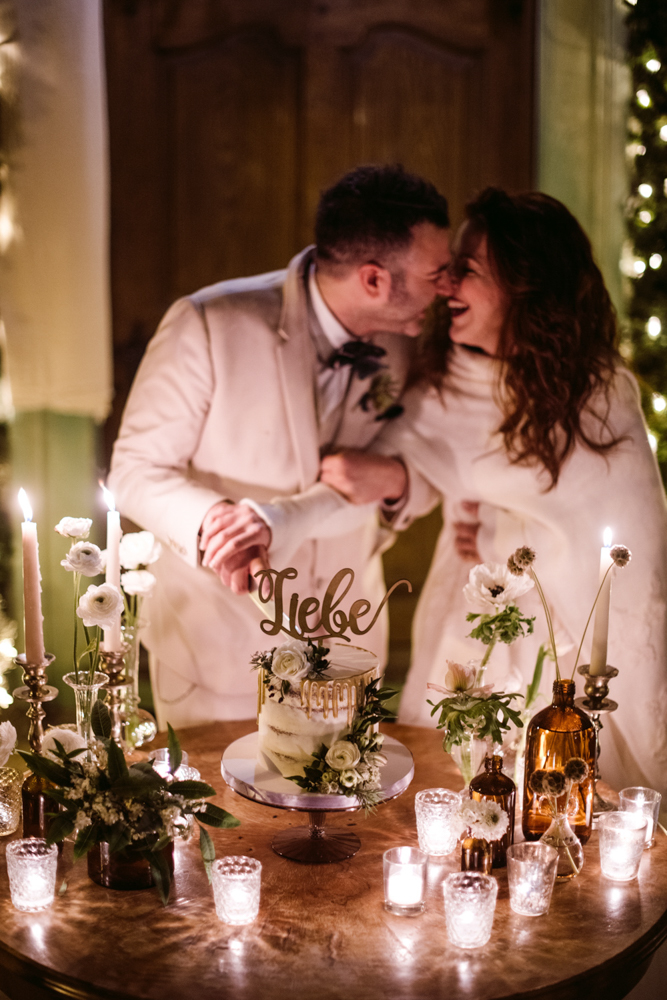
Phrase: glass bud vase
pixel 556 734
pixel 497 787
pixel 85 693
pixel 468 756
pixel 476 855
pixel 139 726
pixel 11 781
pixel 568 845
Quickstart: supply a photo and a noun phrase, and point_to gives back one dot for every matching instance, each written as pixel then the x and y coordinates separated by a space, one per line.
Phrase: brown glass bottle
pixel 492 784
pixel 36 805
pixel 556 734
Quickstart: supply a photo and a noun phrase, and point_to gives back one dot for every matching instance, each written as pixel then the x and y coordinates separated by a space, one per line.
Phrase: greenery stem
pixel 588 620
pixel 76 580
pixel 485 658
pixel 547 613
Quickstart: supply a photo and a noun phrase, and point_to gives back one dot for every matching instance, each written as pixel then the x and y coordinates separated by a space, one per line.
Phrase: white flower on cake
pixel 139 548
pixel 74 527
pixel 8 738
pixel 349 779
pixel 491 586
pixel 100 606
pixel 67 739
pixel 84 558
pixel 290 661
pixel 139 582
pixel 343 755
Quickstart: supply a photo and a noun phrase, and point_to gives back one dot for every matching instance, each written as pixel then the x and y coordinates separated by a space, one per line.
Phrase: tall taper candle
pixel 601 627
pixel 112 636
pixel 32 586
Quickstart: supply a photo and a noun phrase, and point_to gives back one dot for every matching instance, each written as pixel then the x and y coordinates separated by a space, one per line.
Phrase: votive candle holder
pixel 161 764
pixel 645 801
pixel 236 888
pixel 11 782
pixel 436 810
pixel 31 866
pixel 622 837
pixel 470 904
pixel 531 873
pixel 404 871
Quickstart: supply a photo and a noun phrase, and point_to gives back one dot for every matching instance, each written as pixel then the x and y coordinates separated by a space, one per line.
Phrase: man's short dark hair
pixel 370 213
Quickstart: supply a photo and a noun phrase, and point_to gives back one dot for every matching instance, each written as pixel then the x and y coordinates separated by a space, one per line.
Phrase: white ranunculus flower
pixel 290 662
pixel 69 740
pixel 84 558
pixel 138 581
pixel 8 738
pixel 342 755
pixel 74 527
pixel 100 606
pixel 492 587
pixel 139 548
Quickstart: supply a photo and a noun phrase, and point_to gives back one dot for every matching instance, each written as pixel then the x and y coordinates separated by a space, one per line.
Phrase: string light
pixel 663 133
pixel 653 327
pixel 643 98
pixel 640 267
pixel 645 190
pixel 653 441
pixel 645 217
pixel 653 65
pixel 655 260
pixel 659 402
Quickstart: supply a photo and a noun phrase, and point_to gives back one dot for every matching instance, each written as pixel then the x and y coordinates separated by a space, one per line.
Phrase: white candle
pixel 601 628
pixel 112 636
pixel 404 888
pixel 32 586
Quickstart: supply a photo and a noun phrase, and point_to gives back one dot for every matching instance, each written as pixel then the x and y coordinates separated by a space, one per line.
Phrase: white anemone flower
pixel 74 527
pixel 139 548
pixel 485 820
pixel 100 606
pixel 492 587
pixel 460 680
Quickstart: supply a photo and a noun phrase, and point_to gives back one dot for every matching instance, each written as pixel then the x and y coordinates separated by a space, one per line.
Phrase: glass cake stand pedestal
pixel 246 770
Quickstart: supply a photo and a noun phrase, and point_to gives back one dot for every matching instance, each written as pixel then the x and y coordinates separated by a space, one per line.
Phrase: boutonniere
pixel 382 397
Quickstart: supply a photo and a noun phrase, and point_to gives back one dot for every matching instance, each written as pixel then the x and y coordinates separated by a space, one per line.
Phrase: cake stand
pixel 245 770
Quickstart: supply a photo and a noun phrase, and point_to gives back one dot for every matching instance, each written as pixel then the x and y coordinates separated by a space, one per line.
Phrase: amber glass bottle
pixel 494 785
pixel 36 805
pixel 556 734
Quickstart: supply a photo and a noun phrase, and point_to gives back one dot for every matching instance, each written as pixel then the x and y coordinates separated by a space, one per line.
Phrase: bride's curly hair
pixel 558 340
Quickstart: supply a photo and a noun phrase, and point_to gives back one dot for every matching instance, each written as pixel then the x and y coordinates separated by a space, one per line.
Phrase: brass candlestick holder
pixel 113 665
pixel 35 691
pixel 596 704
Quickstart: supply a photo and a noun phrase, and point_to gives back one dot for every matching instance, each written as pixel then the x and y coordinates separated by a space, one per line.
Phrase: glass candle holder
pixel 10 800
pixel 622 837
pixel 470 903
pixel 436 810
pixel 236 888
pixel 161 758
pixel 31 867
pixel 645 801
pixel 404 880
pixel 531 872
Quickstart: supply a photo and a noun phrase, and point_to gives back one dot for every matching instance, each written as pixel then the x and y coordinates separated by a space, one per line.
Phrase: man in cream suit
pixel 243 388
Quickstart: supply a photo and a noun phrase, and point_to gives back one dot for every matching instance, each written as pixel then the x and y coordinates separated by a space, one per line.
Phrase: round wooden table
pixel 322 931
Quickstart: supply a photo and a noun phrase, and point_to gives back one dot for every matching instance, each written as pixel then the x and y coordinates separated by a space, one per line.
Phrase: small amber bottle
pixel 36 805
pixel 495 786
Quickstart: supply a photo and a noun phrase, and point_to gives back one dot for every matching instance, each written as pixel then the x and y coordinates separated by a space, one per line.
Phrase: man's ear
pixel 375 281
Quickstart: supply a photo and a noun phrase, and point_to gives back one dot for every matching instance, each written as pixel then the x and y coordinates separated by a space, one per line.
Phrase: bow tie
pixel 362 357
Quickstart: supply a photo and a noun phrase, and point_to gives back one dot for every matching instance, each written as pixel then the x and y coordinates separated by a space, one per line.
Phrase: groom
pixel 244 387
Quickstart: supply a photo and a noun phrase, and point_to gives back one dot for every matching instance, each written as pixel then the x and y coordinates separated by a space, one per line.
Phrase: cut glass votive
pixel 645 801
pixel 531 872
pixel 404 880
pixel 622 836
pixel 436 810
pixel 470 903
pixel 236 888
pixel 31 867
pixel 161 758
pixel 11 782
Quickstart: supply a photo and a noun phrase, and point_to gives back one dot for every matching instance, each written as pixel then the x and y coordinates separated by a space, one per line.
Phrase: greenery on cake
pixel 294 661
pixel 351 765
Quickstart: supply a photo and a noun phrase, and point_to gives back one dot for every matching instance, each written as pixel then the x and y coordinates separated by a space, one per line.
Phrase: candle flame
pixel 108 496
pixel 607 538
pixel 25 505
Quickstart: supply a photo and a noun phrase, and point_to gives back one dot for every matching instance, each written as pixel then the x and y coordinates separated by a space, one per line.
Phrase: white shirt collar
pixel 332 328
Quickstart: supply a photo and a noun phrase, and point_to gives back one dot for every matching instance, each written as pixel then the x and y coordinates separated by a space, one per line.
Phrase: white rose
pixel 138 581
pixel 342 755
pixel 290 662
pixel 101 606
pixel 139 548
pixel 85 558
pixel 8 738
pixel 74 527
pixel 491 586
pixel 69 740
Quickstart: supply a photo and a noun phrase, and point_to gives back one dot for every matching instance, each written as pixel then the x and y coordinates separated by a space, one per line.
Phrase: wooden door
pixel 228 117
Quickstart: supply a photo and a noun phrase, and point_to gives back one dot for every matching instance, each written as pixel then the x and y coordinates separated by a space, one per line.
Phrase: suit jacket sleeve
pixel 162 423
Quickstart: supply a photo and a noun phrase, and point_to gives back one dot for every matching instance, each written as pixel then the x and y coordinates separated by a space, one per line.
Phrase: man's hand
pixel 362 477
pixel 234 540
pixel 465 533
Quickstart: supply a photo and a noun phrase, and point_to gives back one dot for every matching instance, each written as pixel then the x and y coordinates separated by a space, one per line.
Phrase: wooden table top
pixel 322 931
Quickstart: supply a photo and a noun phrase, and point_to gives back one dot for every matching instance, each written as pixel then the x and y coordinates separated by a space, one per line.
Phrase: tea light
pixel 31 867
pixel 404 880
pixel 470 903
pixel 645 801
pixel 437 828
pixel 531 872
pixel 236 888
pixel 622 837
pixel 182 773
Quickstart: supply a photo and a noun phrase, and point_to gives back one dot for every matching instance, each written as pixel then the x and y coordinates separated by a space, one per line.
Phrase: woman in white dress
pixel 532 434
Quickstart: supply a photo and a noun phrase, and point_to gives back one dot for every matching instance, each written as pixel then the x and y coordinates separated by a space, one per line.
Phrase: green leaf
pixel 100 720
pixel 175 752
pixel 161 873
pixel 191 789
pixel 215 816
pixel 117 766
pixel 118 838
pixel 84 841
pixel 59 828
pixel 44 767
pixel 207 848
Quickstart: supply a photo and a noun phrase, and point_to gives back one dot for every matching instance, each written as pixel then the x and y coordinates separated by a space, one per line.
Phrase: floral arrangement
pixel 8 739
pixel 551 785
pixel 351 766
pixel 470 710
pixel 482 819
pixel 133 807
pixel 291 662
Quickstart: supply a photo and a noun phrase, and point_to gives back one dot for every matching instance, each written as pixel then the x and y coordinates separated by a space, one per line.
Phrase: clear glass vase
pixel 139 726
pixel 85 689
pixel 570 852
pixel 11 781
pixel 468 756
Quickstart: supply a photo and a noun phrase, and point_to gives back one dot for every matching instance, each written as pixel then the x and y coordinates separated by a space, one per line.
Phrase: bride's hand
pixel 362 477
